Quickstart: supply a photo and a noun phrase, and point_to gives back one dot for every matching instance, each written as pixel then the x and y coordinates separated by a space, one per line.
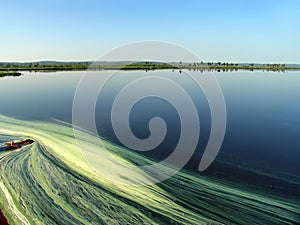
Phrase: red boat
pixel 15 145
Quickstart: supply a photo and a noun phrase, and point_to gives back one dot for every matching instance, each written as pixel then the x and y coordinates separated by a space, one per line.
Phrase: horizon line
pixel 111 61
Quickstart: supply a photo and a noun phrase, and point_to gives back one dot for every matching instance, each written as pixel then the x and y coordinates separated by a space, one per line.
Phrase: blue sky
pixel 216 30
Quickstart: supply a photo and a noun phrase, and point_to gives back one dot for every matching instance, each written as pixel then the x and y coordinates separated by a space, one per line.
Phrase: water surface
pixel 260 152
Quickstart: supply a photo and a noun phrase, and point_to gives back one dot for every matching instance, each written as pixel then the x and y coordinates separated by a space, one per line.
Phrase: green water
pixel 50 183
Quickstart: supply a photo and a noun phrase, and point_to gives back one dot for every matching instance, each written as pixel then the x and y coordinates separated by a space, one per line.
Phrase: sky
pixel 260 31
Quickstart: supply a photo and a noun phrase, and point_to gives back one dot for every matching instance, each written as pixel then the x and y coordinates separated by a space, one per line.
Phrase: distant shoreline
pixel 15 69
pixel 10 73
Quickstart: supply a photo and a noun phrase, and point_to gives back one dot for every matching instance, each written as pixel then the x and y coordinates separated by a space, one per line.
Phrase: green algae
pixel 51 183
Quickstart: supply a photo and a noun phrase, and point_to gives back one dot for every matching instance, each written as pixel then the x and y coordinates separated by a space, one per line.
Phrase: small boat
pixel 15 145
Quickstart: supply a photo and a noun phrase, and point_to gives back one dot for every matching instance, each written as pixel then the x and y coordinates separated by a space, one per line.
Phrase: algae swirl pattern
pixel 49 182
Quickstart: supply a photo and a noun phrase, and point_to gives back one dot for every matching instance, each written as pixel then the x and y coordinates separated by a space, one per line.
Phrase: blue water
pixel 263 116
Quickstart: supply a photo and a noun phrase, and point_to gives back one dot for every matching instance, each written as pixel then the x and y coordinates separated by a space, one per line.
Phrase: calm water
pixel 263 116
